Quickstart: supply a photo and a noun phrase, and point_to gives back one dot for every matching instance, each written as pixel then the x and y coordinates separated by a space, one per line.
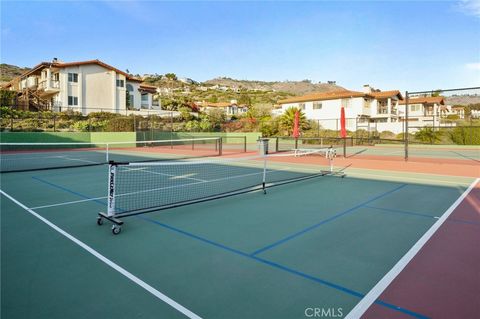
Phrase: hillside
pixel 292 87
pixel 8 72
pixel 463 100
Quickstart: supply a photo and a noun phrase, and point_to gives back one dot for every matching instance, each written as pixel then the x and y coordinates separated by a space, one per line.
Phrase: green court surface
pixel 425 151
pixel 318 243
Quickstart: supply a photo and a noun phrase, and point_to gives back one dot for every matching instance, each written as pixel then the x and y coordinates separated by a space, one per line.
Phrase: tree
pixel 287 120
pixel 427 134
pixel 260 111
pixel 7 98
pixel 213 99
pixel 171 76
pixel 170 104
pixel 216 117
pixel 244 99
pixel 185 113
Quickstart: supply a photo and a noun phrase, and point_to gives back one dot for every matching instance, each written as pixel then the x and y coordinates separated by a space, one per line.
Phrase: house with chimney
pixel 84 86
pixel 369 109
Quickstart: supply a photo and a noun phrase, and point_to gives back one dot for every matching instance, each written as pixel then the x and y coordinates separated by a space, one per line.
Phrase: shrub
pixel 465 135
pixel 387 135
pixel 119 124
pixel 428 135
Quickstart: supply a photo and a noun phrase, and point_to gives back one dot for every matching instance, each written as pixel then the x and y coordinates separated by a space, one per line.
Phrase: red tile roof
pixel 218 104
pixel 342 94
pixel 386 94
pixel 425 100
pixel 323 96
pixel 68 64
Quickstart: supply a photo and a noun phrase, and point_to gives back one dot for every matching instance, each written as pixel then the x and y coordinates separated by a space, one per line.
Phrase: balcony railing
pixel 53 85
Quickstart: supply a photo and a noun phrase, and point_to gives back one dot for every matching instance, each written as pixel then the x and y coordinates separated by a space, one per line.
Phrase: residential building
pixel 424 111
pixel 230 109
pixel 86 86
pixel 370 109
pixel 460 111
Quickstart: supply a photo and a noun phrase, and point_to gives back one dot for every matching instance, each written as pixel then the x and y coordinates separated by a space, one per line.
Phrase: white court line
pixel 79 160
pixel 378 289
pixel 402 178
pixel 143 169
pixel 109 263
pixel 69 203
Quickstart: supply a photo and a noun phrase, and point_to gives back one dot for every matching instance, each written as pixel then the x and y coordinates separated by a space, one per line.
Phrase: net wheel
pixel 116 230
pixel 99 221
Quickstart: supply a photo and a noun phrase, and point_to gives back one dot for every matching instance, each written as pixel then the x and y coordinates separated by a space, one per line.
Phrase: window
pixel 72 100
pixel 301 106
pixel 317 105
pixel 120 83
pixel 72 77
pixel 415 107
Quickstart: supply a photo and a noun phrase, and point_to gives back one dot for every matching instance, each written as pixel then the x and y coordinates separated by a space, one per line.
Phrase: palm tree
pixel 287 120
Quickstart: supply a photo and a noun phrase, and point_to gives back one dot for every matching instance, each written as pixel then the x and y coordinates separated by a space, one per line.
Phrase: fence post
pixel 54 122
pixel 244 144
pixel 406 126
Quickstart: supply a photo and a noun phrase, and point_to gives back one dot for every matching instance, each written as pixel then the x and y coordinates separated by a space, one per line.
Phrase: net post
pixel 193 143
pixel 276 145
pixel 264 177
pixel 220 146
pixel 107 157
pixel 330 155
pixel 244 144
pixel 112 171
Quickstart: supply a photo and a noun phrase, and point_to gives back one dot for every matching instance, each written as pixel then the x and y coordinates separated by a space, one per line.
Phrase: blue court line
pixel 68 190
pixel 261 260
pixel 404 212
pixel 303 231
pixel 284 268
pixel 398 211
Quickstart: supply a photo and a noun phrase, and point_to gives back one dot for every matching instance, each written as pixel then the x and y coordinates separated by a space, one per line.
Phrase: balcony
pixel 49 88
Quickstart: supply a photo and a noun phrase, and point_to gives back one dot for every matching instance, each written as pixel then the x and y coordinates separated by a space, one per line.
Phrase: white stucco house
pixel 425 111
pixel 86 86
pixel 369 109
pixel 372 110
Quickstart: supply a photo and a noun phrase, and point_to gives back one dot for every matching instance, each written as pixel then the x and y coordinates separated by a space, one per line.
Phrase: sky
pixel 405 45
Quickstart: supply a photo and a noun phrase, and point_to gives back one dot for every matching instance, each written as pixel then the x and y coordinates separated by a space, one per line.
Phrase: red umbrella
pixel 343 130
pixel 296 125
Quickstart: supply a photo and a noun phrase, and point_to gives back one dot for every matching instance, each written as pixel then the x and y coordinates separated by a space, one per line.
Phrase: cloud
pixel 470 7
pixel 473 66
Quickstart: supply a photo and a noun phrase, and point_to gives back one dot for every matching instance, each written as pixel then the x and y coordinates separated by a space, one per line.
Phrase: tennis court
pixel 318 246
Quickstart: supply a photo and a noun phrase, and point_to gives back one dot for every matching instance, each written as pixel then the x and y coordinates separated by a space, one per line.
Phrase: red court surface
pixel 443 279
